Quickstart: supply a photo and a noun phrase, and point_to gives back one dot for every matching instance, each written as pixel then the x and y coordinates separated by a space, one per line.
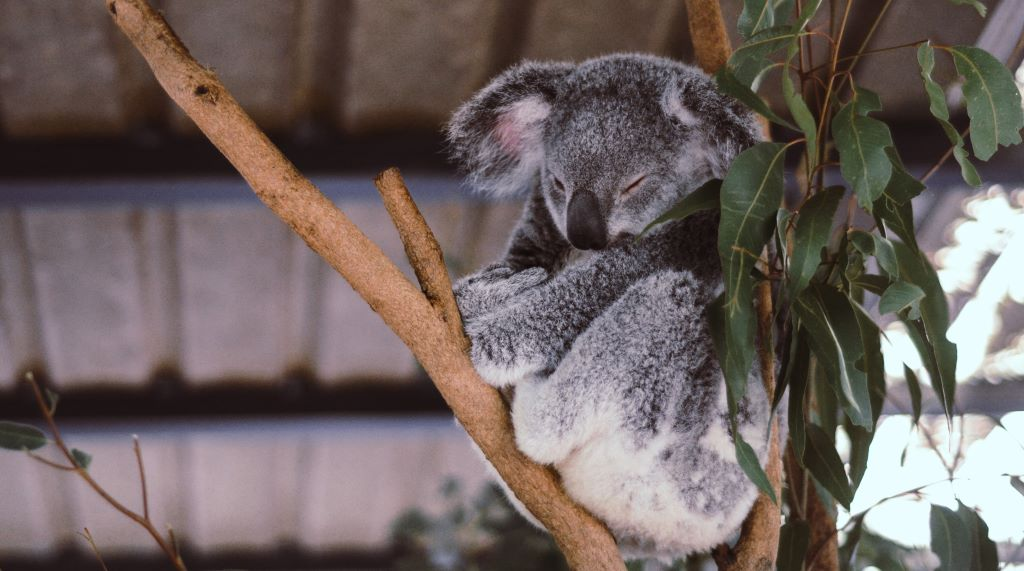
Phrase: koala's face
pixel 612 142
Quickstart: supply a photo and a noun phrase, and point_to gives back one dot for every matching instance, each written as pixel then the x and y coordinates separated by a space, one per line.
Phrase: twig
pixel 583 539
pixel 58 441
pixel 49 463
pixel 88 537
pixel 422 249
pixel 142 475
pixel 945 157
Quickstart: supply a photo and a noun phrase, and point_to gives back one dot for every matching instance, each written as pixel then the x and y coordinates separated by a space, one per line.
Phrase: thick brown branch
pixel 422 249
pixel 711 43
pixel 585 542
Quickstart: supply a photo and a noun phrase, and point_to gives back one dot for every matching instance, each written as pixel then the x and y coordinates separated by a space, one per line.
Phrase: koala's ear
pixel 497 136
pixel 725 125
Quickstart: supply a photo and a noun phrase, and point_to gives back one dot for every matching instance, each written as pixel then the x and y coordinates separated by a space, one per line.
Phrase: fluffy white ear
pixel 497 136
pixel 672 104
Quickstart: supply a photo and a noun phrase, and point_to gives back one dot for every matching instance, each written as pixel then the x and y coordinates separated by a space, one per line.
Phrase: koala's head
pixel 612 142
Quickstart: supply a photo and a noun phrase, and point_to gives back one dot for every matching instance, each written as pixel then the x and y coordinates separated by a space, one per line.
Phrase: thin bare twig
pixel 142 475
pixel 58 441
pixel 92 544
pixel 49 463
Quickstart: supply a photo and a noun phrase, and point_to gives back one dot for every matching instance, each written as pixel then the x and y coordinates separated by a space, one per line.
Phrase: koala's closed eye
pixel 633 186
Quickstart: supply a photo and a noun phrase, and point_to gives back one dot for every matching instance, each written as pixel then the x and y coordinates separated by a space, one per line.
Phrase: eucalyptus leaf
pixel 798 373
pixel 823 462
pixel 834 337
pixel 894 206
pixel 813 227
pixel 793 539
pixel 756 16
pixel 872 362
pixel 750 59
pixel 706 197
pixel 82 459
pixel 800 112
pixel 16 436
pixel 752 467
pixel 860 442
pixel 729 84
pixel 916 269
pixel 993 100
pixel 861 141
pixel 899 296
pixel 939 109
pixel 914 388
pixel 982 10
pixel 983 550
pixel 949 538
pixel 750 197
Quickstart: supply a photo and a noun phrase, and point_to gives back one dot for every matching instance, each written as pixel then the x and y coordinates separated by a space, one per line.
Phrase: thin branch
pixel 583 539
pixel 867 39
pixel 92 544
pixel 58 441
pixel 142 475
pixel 50 463
pixel 422 249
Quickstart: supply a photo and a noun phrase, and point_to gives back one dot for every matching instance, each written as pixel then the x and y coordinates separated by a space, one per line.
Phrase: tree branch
pixel 584 540
pixel 711 43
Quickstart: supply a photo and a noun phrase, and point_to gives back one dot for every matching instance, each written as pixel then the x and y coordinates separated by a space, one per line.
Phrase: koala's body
pixel 603 336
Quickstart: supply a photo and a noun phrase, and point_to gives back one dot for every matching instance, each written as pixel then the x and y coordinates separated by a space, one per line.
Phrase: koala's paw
pixel 492 287
pixel 499 356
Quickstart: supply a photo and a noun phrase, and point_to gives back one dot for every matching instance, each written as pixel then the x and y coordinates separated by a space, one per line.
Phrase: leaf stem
pixel 945 157
pixel 142 475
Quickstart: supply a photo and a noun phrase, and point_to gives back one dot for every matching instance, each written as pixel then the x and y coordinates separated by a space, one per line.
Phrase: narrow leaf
pixel 798 373
pixel 750 197
pixel 835 339
pixel 872 362
pixel 15 436
pixel 860 442
pixel 899 296
pixel 861 141
pixel 706 197
pixel 914 388
pixel 752 467
pixel 993 100
pixel 823 462
pixel 730 85
pixel 983 549
pixel 894 207
pixel 800 112
pixel 949 539
pixel 813 227
pixel 757 15
pixel 917 270
pixel 793 539
pixel 982 10
pixel 82 459
pixel 750 60
pixel 939 109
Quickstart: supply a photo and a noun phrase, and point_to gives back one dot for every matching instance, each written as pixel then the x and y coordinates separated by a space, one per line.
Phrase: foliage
pixel 839 276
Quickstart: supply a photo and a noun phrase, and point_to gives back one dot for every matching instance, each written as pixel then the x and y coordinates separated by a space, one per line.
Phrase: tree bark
pixel 432 332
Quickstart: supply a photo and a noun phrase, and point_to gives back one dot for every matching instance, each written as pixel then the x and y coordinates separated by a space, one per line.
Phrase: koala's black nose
pixel 584 223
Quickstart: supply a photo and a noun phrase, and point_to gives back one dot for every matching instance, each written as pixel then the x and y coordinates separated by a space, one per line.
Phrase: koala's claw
pixel 492 287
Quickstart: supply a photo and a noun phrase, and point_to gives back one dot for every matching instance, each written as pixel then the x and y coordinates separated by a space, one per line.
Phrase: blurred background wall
pixel 279 417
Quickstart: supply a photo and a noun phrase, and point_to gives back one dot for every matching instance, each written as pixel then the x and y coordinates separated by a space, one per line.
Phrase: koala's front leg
pixel 492 287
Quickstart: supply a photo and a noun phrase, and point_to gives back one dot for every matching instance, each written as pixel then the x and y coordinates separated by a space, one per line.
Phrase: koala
pixel 601 332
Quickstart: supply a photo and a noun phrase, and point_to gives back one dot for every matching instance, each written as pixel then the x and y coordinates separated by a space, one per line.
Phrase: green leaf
pixel 939 109
pixel 949 539
pixel 782 229
pixel 706 197
pixel 894 207
pixel 983 549
pixel 798 373
pixel 82 459
pixel 914 388
pixel 878 246
pixel 823 462
pixel 872 362
pixel 982 10
pixel 834 337
pixel 730 85
pixel 750 197
pixel 793 539
pixel 752 467
pixel 750 60
pixel 872 283
pixel 758 15
pixel 800 112
pixel 899 296
pixel 861 141
pixel 993 100
pixel 860 442
pixel 52 399
pixel 807 11
pixel 813 227
pixel 15 436
pixel 916 269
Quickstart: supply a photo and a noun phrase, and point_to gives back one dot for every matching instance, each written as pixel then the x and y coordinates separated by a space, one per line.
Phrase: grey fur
pixel 616 382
